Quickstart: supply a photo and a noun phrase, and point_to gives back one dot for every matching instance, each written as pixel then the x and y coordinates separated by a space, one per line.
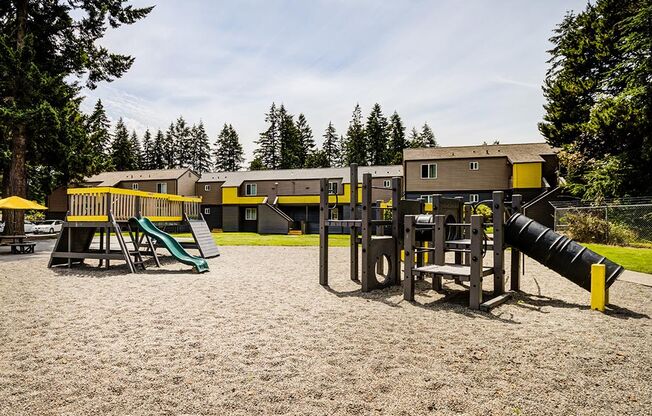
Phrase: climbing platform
pixel 202 234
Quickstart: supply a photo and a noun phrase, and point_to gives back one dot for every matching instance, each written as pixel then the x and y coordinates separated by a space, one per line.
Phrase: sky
pixel 471 69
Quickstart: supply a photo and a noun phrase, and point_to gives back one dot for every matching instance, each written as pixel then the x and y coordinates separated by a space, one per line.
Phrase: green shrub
pixel 588 228
pixel 485 211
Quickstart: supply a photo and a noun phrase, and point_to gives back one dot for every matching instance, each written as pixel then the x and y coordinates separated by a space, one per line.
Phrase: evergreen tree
pixel 201 149
pixel 415 141
pixel 159 155
pixel 356 142
pixel 289 141
pixel 122 150
pixel 307 143
pixel 397 141
pixel 256 164
pixel 169 149
pixel 377 137
pixel 317 159
pixel 99 127
pixel 268 152
pixel 47 47
pixel 427 136
pixel 331 147
pixel 599 99
pixel 182 144
pixel 228 150
pixel 148 151
pixel 137 150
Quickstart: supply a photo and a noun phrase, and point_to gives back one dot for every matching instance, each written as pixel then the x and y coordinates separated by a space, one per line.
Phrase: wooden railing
pixel 95 204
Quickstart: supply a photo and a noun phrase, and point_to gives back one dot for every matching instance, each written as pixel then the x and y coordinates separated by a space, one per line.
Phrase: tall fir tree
pixel 269 149
pixel 415 141
pixel 377 137
pixel 356 140
pixel 427 136
pixel 331 147
pixel 159 151
pixel 306 140
pixel 146 161
pixel 229 155
pixel 122 150
pixel 182 143
pixel 99 126
pixel 169 148
pixel 289 141
pixel 201 149
pixel 137 150
pixel 397 141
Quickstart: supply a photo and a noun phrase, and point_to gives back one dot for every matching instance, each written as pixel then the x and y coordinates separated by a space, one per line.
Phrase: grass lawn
pixel 253 239
pixel 635 259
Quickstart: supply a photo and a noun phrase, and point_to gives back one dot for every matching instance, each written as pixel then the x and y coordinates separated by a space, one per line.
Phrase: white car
pixel 50 226
pixel 29 227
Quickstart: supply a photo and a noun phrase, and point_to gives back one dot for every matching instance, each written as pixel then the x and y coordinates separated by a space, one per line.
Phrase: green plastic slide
pixel 171 244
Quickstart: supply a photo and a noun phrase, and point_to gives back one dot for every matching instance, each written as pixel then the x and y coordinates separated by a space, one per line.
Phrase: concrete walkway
pixel 636 277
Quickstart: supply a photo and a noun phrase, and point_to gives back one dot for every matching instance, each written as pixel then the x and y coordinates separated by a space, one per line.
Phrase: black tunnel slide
pixel 557 252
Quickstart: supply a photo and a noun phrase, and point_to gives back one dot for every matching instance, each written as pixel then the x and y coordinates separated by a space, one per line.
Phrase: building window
pixel 251 214
pixel 334 214
pixel 427 198
pixel 387 183
pixel 251 189
pixel 474 165
pixel 474 198
pixel 429 171
pixel 134 186
pixel 162 188
pixel 207 211
pixel 332 187
pixel 207 188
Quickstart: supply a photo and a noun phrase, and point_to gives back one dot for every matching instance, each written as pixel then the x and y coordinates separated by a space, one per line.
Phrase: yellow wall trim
pixel 526 175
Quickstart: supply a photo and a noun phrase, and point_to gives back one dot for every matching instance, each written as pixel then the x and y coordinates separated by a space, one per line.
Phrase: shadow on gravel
pixel 537 302
pixel 90 269
pixel 450 299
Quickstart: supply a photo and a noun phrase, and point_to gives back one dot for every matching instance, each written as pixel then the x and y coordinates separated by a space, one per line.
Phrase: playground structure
pixel 112 211
pixel 426 234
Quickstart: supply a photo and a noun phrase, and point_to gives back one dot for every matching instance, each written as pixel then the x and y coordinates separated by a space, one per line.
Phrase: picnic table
pixel 18 244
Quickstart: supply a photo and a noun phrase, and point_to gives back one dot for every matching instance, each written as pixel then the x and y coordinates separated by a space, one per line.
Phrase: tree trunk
pixel 17 181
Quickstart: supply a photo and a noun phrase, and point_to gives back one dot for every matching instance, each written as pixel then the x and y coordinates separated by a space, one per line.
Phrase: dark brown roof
pixel 113 178
pixel 515 153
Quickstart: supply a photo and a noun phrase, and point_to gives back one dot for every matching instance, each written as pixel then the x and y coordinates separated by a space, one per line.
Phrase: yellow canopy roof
pixel 16 202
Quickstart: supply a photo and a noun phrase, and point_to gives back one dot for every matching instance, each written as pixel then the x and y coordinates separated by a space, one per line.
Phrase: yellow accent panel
pixel 526 175
pixel 230 196
pixel 160 219
pixel 598 287
pixel 101 218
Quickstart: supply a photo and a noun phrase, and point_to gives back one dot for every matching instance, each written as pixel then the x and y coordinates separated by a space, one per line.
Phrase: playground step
pixel 295 232
pixel 456 270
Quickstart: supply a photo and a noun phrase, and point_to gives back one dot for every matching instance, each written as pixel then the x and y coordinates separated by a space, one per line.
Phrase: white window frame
pixel 134 186
pixel 162 188
pixel 207 188
pixel 207 211
pixel 387 183
pixel 251 189
pixel 473 198
pixel 251 214
pixel 427 198
pixel 430 169
pixel 333 187
pixel 474 165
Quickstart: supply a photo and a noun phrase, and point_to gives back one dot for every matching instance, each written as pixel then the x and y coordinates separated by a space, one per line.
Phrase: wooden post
pixel 366 231
pixel 598 287
pixel 438 242
pixel 498 208
pixel 397 186
pixel 323 232
pixel 515 273
pixel 475 287
pixel 409 245
pixel 353 207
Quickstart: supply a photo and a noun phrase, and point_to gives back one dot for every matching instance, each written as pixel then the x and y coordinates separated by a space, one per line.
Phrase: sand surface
pixel 259 335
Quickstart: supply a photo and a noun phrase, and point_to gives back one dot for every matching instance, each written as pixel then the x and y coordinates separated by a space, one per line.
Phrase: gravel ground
pixel 259 335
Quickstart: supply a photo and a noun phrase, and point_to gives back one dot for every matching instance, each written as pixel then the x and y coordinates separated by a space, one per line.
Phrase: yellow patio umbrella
pixel 16 202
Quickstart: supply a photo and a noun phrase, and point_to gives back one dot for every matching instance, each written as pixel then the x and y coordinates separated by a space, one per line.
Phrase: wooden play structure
pixel 110 212
pixel 384 233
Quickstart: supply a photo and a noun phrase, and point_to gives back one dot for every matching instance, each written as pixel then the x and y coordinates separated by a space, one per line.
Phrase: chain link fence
pixel 631 214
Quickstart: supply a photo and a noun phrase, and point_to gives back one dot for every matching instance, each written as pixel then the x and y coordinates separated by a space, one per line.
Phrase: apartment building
pixel 275 201
pixel 474 172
